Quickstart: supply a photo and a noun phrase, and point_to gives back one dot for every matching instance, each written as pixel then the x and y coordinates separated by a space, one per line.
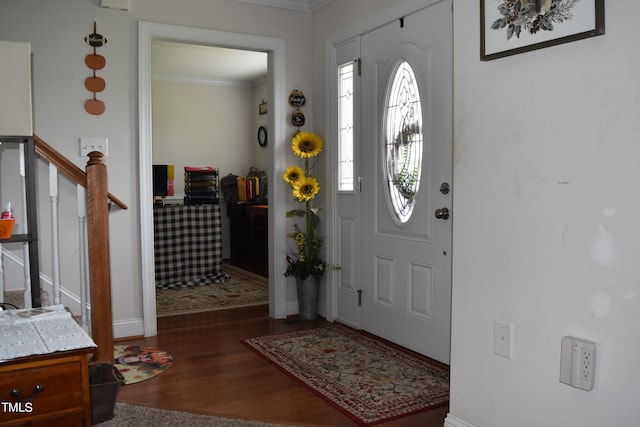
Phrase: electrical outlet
pixel 578 363
pixel 586 363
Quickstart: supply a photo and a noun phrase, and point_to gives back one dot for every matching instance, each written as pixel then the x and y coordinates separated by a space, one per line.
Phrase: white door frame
pixel 331 125
pixel 275 48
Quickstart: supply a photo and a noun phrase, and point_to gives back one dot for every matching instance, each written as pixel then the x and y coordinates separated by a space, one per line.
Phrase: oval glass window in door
pixel 403 143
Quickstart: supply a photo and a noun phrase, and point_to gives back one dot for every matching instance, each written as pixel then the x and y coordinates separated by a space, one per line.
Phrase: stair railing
pixel 93 208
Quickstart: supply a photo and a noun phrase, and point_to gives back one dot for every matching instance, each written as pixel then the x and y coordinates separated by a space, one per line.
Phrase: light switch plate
pixel 94 143
pixel 503 339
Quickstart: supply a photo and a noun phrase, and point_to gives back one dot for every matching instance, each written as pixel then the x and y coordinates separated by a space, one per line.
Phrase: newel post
pixel 99 263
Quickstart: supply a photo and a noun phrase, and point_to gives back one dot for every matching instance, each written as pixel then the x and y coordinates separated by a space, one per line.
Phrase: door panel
pixel 406 263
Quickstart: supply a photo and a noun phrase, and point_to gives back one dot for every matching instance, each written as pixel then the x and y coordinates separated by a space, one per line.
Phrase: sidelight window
pixel 345 127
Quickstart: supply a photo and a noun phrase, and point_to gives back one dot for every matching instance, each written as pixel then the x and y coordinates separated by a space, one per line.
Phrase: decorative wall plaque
pixel 297 99
pixel 95 62
pixel 297 118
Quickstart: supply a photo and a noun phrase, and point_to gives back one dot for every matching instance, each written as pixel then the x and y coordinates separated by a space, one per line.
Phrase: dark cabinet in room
pixel 248 232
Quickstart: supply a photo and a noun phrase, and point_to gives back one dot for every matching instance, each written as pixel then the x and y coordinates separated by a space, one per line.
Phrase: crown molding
pixel 175 78
pixel 297 5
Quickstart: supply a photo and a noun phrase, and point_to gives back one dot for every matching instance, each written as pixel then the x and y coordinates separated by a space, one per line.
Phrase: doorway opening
pixel 275 51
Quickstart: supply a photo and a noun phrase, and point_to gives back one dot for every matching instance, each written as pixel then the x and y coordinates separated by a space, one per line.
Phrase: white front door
pixel 406 158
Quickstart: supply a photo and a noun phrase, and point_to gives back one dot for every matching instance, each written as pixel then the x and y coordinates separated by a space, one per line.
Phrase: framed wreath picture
pixel 509 27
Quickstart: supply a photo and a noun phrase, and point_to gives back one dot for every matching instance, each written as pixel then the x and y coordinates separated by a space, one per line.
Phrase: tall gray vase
pixel 308 297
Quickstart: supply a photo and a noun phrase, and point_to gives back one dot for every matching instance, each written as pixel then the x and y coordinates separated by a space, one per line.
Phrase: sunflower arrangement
pixel 306 260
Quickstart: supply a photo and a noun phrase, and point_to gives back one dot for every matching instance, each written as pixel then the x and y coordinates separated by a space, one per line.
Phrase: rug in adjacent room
pixel 137 363
pixel 365 378
pixel 242 289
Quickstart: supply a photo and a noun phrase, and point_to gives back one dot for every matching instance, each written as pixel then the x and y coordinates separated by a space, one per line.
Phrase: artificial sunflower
pixel 306 189
pixel 306 260
pixel 293 174
pixel 306 144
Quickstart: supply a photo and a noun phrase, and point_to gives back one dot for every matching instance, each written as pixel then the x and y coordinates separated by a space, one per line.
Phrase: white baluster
pixel 84 280
pixel 25 247
pixel 55 232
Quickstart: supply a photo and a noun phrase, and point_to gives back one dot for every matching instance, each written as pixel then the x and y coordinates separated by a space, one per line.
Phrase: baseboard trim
pixel 68 298
pixel 128 328
pixel 453 421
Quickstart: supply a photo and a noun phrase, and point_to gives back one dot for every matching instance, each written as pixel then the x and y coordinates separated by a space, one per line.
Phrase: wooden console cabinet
pixel 249 227
pixel 46 390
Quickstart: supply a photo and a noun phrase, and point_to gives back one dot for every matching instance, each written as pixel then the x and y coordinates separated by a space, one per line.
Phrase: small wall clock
pixel 262 136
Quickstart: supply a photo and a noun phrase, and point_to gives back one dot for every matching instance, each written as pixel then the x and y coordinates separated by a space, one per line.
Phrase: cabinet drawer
pixel 42 388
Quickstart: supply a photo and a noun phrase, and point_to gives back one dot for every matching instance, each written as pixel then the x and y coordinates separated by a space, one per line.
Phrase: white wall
pixel 56 31
pixel 203 125
pixel 546 225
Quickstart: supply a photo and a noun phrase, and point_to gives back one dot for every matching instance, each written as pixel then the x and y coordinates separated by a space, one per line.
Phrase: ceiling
pixel 206 64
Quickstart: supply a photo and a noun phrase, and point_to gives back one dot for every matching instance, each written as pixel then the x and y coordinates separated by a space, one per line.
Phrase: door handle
pixel 442 213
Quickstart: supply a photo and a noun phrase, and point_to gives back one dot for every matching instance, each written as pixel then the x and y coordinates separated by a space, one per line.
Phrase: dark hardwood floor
pixel 214 373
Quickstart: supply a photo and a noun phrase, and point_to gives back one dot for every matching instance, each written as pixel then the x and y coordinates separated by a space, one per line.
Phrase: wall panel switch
pixel 578 363
pixel 94 143
pixel 503 339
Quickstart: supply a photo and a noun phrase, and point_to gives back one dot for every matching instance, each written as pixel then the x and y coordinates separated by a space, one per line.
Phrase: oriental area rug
pixel 365 378
pixel 242 289
pixel 137 363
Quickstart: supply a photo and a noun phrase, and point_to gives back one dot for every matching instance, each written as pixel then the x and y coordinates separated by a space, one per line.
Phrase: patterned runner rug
pixel 242 289
pixel 363 377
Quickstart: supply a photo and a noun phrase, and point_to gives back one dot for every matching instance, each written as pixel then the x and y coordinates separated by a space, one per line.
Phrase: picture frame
pixel 263 107
pixel 518 26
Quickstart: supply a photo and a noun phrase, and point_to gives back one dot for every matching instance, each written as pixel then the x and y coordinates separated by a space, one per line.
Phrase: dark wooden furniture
pixel 46 390
pixel 259 228
pixel 249 229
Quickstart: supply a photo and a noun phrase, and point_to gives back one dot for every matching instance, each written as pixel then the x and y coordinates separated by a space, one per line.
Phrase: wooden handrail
pixel 72 171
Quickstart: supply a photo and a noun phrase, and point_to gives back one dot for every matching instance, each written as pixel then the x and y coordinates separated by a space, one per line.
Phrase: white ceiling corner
pixel 298 5
pixel 317 4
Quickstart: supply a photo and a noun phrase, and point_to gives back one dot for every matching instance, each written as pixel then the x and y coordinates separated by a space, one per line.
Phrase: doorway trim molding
pixel 275 48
